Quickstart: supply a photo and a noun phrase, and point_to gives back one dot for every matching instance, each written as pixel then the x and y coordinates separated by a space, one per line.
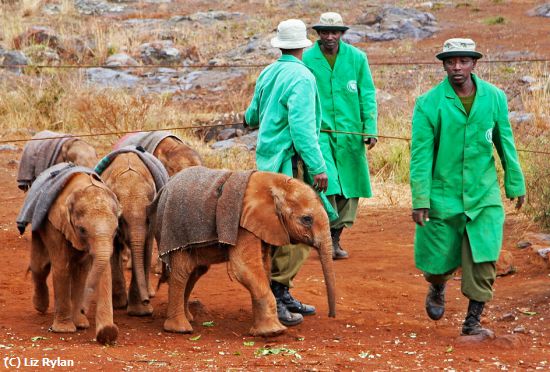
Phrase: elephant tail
pixel 164 276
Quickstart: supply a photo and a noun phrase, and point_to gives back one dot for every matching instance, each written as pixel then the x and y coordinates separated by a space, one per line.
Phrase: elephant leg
pixel 120 298
pixel 40 269
pixel 248 264
pixel 135 306
pixel 193 279
pixel 61 277
pixel 106 329
pixel 78 276
pixel 147 259
pixel 182 267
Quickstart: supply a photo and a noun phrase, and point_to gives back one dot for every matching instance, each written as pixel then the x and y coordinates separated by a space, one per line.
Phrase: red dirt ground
pixel 380 325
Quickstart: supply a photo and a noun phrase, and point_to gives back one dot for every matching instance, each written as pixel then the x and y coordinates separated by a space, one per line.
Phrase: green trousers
pixel 286 261
pixel 346 208
pixel 477 278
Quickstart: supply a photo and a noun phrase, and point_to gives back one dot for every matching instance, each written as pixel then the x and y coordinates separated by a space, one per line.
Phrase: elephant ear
pixel 60 217
pixel 262 212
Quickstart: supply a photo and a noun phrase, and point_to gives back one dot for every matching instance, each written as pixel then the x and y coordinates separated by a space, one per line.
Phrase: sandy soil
pixel 380 324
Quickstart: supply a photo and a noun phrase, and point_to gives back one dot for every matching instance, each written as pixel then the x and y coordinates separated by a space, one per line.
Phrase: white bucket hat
pixel 330 21
pixel 291 34
pixel 459 48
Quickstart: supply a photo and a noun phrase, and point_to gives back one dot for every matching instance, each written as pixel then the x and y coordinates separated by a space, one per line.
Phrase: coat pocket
pixel 437 199
pixel 485 134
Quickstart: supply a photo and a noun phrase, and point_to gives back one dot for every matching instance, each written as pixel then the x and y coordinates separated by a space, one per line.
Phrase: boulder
pixel 160 52
pixel 247 142
pixel 520 117
pixel 121 59
pixel 541 11
pixel 505 263
pixel 392 23
pixel 111 78
pixel 97 7
pixel 38 35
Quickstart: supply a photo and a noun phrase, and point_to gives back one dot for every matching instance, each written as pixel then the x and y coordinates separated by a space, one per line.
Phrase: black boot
pixel 286 317
pixel 337 252
pixel 295 306
pixel 472 325
pixel 435 301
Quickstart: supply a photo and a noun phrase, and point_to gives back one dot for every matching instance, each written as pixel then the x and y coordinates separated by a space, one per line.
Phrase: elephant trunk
pixel 325 255
pixel 137 247
pixel 100 261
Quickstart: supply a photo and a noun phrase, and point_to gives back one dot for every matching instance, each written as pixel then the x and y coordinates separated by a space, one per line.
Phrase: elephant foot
pixel 41 299
pixel 188 315
pixel 81 321
pixel 267 330
pixel 140 309
pixel 120 301
pixel 107 335
pixel 63 327
pixel 177 325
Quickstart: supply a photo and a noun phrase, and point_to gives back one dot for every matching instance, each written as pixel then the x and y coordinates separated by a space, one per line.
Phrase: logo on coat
pixel 489 135
pixel 352 86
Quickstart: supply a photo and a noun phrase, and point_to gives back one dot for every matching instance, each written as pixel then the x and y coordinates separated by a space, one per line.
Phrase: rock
pixel 38 35
pixel 527 79
pixel 111 78
pixel 400 23
pixel 426 4
pixel 8 148
pixel 523 244
pixel 121 59
pixel 368 18
pixel 247 141
pixel 213 80
pixel 540 11
pixel 515 55
pixel 14 58
pixel 508 341
pixel 215 15
pixel 539 236
pixel 505 263
pixel 97 7
pixel 544 252
pixel 508 317
pixel 42 55
pixel 382 96
pixel 256 49
pixel 356 34
pixel 518 117
pixel 519 329
pixel 160 52
pixel 485 336
pixel 229 133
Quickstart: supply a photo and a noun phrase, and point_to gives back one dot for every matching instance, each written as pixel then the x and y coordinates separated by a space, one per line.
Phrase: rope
pixel 258 65
pixel 221 125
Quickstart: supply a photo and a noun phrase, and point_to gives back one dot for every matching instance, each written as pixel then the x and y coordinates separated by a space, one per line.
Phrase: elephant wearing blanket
pixel 204 216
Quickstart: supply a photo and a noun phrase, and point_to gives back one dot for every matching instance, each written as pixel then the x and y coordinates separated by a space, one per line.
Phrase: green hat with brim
pixel 459 48
pixel 330 21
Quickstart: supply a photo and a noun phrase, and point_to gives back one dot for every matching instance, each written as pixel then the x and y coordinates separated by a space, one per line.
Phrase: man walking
pixel 286 108
pixel 455 193
pixel 348 101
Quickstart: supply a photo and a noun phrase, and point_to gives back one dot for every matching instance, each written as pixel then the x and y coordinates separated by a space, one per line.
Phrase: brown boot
pixel 337 252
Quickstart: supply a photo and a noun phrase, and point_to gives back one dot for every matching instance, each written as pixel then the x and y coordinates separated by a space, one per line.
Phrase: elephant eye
pixel 81 231
pixel 307 220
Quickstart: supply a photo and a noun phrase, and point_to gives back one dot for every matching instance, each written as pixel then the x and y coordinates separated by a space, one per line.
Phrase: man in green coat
pixel 286 108
pixel 455 191
pixel 348 102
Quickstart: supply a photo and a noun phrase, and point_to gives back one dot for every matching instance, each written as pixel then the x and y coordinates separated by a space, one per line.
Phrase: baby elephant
pixel 49 148
pixel 74 221
pixel 204 216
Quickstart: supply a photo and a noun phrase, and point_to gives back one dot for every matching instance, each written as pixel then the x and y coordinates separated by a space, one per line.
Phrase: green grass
pixel 496 20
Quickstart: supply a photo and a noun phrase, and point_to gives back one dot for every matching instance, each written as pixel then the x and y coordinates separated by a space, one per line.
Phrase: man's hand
pixel 320 182
pixel 420 215
pixel 370 142
pixel 520 201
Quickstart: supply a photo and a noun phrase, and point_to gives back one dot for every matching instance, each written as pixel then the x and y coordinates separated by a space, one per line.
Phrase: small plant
pixel 497 20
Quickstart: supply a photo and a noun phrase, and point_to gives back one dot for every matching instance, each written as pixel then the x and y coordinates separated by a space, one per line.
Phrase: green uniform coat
pixel 286 103
pixel 453 173
pixel 348 102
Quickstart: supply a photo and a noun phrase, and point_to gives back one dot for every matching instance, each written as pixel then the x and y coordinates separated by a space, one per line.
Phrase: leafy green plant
pixel 497 20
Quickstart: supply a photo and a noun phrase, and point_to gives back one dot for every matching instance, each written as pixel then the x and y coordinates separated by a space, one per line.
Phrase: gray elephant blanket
pixel 44 191
pixel 148 140
pixel 198 207
pixel 39 155
pixel 154 165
